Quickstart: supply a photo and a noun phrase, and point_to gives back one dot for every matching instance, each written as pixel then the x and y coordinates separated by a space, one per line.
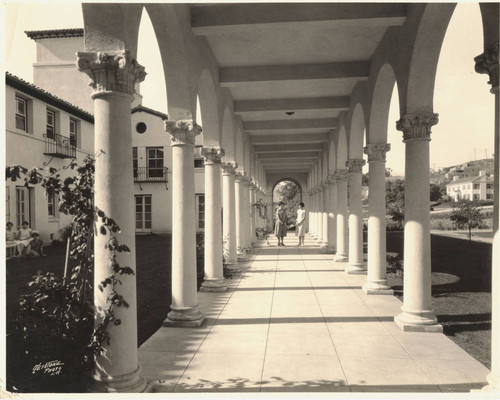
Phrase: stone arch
pixel 416 97
pixel 341 149
pixel 376 132
pixel 325 164
pixel 181 97
pixel 332 162
pixel 111 27
pixel 209 111
pixel 356 134
pixel 284 179
pixel 239 150
pixel 227 140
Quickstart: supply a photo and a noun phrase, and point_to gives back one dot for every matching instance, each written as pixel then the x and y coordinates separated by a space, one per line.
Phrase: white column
pixel 319 215
pixel 356 265
pixel 214 274
pixel 312 212
pixel 324 214
pixel 184 309
pixel 342 233
pixel 487 63
pixel 376 280
pixel 113 76
pixel 247 222
pixel 229 212
pixel 332 214
pixel 417 313
pixel 239 185
pixel 252 190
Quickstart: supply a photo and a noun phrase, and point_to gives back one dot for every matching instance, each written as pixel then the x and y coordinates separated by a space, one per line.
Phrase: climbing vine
pixel 45 306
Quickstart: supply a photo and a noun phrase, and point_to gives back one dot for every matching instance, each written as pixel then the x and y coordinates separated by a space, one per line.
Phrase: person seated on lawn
pixel 36 246
pixel 10 238
pixel 24 235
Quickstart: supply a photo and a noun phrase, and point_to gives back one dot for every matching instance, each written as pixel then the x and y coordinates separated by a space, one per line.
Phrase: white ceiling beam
pixel 296 138
pixel 311 123
pixel 278 156
pixel 235 76
pixel 311 103
pixel 227 18
pixel 288 148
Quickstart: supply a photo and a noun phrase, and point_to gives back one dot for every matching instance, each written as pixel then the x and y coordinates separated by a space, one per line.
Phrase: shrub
pixel 395 266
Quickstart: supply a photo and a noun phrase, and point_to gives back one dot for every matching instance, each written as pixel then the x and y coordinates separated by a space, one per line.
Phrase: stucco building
pixel 42 130
pixel 471 188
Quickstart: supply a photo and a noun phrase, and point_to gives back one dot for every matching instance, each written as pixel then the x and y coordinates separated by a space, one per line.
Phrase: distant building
pixel 471 188
pixel 41 130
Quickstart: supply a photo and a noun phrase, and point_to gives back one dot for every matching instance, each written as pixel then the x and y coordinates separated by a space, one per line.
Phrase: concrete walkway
pixel 295 322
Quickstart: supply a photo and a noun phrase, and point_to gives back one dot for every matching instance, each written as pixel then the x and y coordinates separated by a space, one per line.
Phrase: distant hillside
pixel 464 170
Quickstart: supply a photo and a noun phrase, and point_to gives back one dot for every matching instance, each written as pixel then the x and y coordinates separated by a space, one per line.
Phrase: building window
pixel 155 162
pixel 22 205
pixel 476 185
pixel 143 213
pixel 200 211
pixel 489 196
pixel 141 127
pixel 489 186
pixel 51 124
pixel 476 197
pixel 135 162
pixel 52 205
pixel 73 132
pixel 199 163
pixel 21 114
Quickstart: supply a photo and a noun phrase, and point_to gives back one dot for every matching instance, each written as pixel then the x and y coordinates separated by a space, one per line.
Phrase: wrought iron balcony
pixel 146 174
pixel 59 146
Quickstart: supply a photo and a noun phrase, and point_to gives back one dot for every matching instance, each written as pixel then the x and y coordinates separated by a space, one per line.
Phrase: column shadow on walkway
pixel 293 321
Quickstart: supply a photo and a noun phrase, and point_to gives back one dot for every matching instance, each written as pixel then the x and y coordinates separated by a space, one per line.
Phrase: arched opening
pixel 288 191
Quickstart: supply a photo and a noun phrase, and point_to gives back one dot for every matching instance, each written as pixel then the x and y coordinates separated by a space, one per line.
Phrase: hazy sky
pixel 462 98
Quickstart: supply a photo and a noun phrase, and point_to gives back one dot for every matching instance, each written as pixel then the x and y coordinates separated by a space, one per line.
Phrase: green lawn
pixel 461 290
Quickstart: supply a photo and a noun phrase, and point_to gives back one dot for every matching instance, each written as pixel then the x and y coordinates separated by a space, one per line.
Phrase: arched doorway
pixel 288 191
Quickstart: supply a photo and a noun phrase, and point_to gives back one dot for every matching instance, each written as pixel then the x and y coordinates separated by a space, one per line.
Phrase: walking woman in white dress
pixel 301 222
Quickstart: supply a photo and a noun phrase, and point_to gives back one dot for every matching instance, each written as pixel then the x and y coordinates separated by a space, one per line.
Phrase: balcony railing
pixel 146 174
pixel 59 146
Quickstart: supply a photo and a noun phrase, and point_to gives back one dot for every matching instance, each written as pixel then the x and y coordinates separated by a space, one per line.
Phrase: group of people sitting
pixel 24 242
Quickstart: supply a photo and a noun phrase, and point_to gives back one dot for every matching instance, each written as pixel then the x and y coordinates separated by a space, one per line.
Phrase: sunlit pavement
pixel 294 321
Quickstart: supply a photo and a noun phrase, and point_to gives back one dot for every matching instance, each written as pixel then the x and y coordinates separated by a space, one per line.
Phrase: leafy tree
pixel 388 172
pixel 289 193
pixel 435 192
pixel 467 214
pixel 365 179
pixel 395 200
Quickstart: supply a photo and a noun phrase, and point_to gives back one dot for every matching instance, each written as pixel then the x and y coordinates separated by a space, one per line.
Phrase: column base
pixel 215 285
pixel 377 287
pixel 330 250
pixel 132 382
pixel 184 317
pixel 421 321
pixel 356 269
pixel 341 258
pixel 493 385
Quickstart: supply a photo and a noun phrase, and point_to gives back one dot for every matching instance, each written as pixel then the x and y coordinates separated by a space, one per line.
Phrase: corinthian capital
pixel 417 127
pixel 377 152
pixel 332 179
pixel 182 132
pixel 487 63
pixel 229 168
pixel 113 71
pixel 341 174
pixel 212 155
pixel 355 165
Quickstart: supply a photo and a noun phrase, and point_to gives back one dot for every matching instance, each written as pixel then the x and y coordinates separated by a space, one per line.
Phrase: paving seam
pixel 328 330
pixel 209 330
pixel 269 324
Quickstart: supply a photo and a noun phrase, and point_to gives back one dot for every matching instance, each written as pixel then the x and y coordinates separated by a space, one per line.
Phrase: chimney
pixel 482 173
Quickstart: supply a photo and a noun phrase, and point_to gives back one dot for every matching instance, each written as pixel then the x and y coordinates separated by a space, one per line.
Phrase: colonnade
pixel 335 215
